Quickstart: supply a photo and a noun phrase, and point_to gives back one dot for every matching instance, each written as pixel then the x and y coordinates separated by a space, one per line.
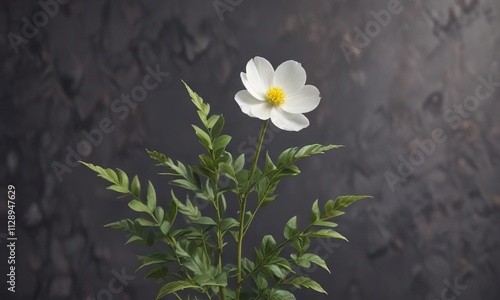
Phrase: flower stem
pixel 243 205
pixel 259 146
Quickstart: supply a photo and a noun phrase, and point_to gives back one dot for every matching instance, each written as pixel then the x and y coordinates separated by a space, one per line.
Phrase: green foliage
pixel 188 257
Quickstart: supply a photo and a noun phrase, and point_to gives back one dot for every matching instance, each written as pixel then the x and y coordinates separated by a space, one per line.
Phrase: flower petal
pixel 261 110
pixel 265 71
pixel 246 100
pixel 256 93
pixel 290 76
pixel 303 101
pixel 259 77
pixel 287 121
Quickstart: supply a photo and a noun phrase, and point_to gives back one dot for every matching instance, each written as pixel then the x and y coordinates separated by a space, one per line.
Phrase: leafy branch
pixel 194 264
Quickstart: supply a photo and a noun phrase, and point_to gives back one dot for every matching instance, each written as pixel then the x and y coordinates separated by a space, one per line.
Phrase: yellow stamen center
pixel 275 95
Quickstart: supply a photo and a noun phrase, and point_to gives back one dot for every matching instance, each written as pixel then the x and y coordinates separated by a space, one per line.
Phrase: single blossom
pixel 280 94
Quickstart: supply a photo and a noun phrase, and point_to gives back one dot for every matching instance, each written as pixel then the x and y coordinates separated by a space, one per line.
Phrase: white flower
pixel 280 95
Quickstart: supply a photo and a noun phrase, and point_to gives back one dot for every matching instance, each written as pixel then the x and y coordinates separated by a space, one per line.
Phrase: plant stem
pixel 257 150
pixel 177 295
pixel 243 205
pixel 220 241
pixel 251 218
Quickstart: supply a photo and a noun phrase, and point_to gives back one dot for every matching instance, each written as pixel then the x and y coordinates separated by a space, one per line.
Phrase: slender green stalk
pixel 220 239
pixel 257 150
pixel 243 205
pixel 250 219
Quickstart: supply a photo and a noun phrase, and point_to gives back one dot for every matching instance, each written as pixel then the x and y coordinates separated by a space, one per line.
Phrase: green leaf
pixel 268 199
pixel 106 174
pixel 290 155
pixel 325 224
pixel 138 206
pixel 122 178
pixel 280 295
pixel 118 225
pixel 208 279
pixel 222 203
pixel 262 188
pixel 269 166
pixel 157 273
pixel 268 244
pixel 282 263
pixel 207 162
pixel 302 243
pixel 228 171
pixel 223 156
pixel 201 170
pixel 291 228
pixel 212 121
pixel 135 187
pixel 247 265
pixel 327 233
pixel 204 221
pixel 112 174
pixel 261 283
pixel 286 156
pixel 165 227
pixel 235 234
pixel 276 271
pixel 175 286
pixel 242 178
pixel 135 239
pixel 159 157
pixel 305 282
pixel 195 258
pixel 314 149
pixel 145 222
pixel 151 196
pixel 203 137
pixel 227 224
pixel 300 262
pixel 155 258
pixel 189 210
pixel 315 214
pixel 204 108
pixel 171 212
pixel 183 183
pixel 345 201
pixel 217 127
pixel 221 142
pixel 118 188
pixel 159 214
pixel 239 163
pixel 333 207
pixel 203 117
pixel 289 170
pixel 315 259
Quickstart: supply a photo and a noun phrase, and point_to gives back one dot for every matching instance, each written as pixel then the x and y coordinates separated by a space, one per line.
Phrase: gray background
pixel 442 223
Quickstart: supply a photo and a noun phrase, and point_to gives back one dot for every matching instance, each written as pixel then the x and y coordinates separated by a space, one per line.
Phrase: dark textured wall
pixel 436 223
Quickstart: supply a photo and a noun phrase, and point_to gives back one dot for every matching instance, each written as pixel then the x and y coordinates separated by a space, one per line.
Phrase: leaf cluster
pixel 189 255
